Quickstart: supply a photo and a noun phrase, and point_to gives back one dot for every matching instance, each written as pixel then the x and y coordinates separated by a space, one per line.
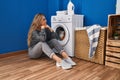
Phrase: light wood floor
pixel 20 67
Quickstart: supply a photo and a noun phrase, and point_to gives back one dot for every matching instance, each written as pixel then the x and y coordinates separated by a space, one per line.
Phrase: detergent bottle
pixel 70 8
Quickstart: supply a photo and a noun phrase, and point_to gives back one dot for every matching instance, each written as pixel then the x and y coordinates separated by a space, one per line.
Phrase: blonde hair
pixel 36 25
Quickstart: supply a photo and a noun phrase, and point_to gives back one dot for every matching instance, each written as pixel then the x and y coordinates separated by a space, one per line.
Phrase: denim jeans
pixel 45 47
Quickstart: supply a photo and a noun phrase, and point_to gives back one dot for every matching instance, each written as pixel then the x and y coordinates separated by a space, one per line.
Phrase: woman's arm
pixel 39 36
pixel 49 28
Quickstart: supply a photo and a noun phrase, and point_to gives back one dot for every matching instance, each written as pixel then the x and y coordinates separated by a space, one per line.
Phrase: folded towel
pixel 93 35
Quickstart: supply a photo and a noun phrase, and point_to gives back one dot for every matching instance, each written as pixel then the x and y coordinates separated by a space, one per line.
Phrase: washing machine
pixel 64 26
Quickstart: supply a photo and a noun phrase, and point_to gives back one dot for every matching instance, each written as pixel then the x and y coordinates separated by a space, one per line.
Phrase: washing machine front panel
pixel 67 23
pixel 62 32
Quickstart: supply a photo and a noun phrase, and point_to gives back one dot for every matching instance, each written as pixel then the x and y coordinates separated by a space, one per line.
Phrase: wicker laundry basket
pixel 82 46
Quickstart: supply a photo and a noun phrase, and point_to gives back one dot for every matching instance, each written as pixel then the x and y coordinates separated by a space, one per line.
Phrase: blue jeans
pixel 45 47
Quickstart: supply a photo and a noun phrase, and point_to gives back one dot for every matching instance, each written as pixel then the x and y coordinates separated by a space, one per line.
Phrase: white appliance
pixel 64 26
pixel 70 8
pixel 60 13
pixel 118 7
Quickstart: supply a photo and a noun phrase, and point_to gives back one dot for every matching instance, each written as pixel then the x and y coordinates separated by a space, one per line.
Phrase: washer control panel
pixel 61 19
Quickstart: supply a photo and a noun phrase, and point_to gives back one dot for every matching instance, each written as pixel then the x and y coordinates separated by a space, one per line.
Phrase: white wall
pixel 118 7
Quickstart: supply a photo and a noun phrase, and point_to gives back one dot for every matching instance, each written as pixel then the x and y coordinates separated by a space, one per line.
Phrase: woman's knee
pixel 40 43
pixel 54 40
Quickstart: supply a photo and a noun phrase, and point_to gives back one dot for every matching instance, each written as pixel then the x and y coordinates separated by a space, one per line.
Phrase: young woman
pixel 42 39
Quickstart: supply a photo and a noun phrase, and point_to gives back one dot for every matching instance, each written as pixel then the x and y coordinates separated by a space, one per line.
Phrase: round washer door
pixel 62 32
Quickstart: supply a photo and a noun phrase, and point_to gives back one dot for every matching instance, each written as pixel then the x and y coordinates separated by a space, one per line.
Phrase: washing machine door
pixel 62 32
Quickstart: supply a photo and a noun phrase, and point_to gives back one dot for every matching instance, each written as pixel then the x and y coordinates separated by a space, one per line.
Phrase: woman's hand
pixel 46 26
pixel 49 28
pixel 42 27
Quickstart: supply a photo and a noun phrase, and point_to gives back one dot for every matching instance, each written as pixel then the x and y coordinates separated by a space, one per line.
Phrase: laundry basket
pixel 82 46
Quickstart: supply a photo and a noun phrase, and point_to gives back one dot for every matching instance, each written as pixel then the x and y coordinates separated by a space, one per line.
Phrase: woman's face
pixel 43 21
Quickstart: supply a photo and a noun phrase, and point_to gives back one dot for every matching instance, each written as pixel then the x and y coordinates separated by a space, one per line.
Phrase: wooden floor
pixel 20 67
